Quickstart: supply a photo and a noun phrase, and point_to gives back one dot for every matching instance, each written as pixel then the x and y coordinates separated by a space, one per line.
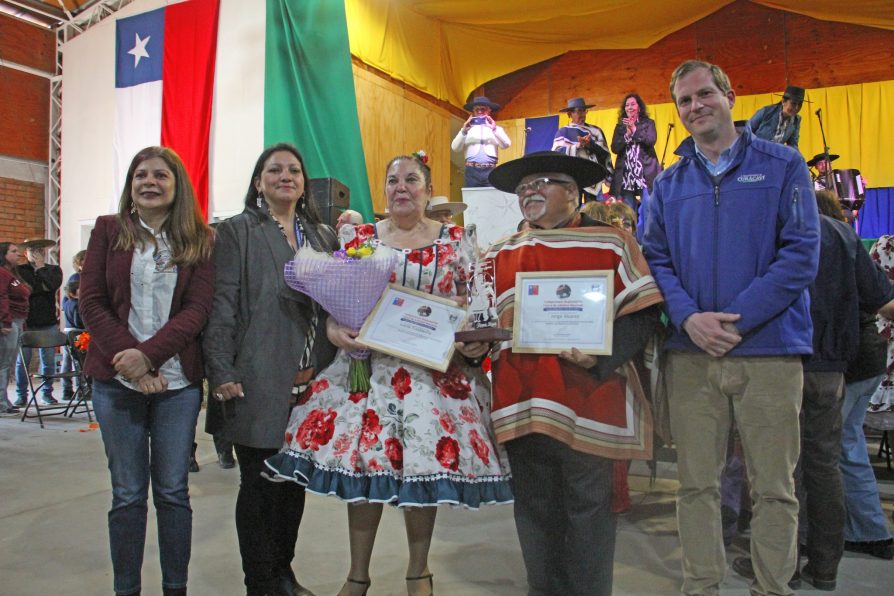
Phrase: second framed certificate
pixel 414 326
pixel 559 310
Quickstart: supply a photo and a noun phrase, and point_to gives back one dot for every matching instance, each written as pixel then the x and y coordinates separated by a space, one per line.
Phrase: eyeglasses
pixel 537 185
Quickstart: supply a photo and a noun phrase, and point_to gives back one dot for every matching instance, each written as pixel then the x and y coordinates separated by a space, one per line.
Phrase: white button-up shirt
pixel 152 280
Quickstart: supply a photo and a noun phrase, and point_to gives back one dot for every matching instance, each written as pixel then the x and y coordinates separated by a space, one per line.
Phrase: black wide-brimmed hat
pixel 507 176
pixel 796 94
pixel 37 243
pixel 481 100
pixel 577 102
pixel 820 157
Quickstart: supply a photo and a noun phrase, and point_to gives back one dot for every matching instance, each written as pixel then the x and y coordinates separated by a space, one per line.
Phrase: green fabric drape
pixel 309 95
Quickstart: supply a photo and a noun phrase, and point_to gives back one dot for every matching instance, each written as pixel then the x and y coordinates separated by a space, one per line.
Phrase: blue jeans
pixel 47 366
pixel 148 436
pixel 865 519
pixel 563 517
pixel 9 347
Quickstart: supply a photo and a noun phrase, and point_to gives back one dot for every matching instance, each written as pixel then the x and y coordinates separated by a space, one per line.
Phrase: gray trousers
pixel 563 517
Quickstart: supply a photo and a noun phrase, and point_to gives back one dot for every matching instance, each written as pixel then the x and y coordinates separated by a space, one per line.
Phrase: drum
pixel 850 189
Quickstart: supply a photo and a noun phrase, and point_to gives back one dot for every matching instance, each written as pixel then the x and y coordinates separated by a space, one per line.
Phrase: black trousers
pixel 818 479
pixel 563 517
pixel 267 518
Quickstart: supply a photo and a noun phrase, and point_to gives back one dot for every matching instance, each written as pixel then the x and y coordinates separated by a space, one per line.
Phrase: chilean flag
pixel 164 87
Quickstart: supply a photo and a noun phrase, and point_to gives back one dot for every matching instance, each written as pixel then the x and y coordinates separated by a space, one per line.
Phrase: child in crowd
pixel 72 318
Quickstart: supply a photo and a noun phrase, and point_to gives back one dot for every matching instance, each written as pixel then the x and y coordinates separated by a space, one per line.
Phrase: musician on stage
pixel 580 139
pixel 780 122
pixel 821 178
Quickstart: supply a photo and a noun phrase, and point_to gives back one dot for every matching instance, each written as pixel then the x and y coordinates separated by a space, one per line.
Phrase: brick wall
pixel 21 210
pixel 24 126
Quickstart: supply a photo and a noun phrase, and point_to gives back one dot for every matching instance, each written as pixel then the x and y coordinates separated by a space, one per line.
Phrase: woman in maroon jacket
pixel 146 291
pixel 13 310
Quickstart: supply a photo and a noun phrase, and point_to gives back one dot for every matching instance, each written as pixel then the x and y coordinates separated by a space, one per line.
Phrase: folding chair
pixel 48 338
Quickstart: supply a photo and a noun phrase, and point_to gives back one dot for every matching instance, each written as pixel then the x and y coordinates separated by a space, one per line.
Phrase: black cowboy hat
pixel 795 94
pixel 577 102
pixel 481 100
pixel 507 176
pixel 37 243
pixel 820 157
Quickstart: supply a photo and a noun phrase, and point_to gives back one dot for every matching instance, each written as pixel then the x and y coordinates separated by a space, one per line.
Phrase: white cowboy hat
pixel 443 203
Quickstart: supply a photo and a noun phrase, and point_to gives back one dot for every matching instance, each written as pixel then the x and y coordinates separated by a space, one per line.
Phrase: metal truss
pixel 92 14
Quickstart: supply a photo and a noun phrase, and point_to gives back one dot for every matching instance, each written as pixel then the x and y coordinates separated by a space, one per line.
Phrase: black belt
pixel 481 166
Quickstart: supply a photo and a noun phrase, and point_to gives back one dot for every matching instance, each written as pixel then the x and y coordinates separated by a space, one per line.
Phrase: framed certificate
pixel 559 310
pixel 414 326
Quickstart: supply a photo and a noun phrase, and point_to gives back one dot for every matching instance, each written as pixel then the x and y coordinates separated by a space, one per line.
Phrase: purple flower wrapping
pixel 346 288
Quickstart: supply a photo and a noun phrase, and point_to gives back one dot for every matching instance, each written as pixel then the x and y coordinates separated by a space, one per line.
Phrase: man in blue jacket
pixel 732 239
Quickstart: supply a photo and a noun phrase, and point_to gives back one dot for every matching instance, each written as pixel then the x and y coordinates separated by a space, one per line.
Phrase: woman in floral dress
pixel 882 400
pixel 419 437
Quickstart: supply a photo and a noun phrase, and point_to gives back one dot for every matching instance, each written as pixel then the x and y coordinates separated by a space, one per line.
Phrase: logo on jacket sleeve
pixel 747 178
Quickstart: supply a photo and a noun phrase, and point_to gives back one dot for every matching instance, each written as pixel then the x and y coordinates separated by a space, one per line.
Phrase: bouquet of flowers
pixel 347 284
pixel 83 342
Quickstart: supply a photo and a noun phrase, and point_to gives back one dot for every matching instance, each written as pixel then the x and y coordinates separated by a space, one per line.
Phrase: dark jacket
pixel 745 242
pixel 258 326
pixel 847 283
pixel 72 313
pixel 872 355
pixel 764 122
pixel 646 136
pixel 44 283
pixel 105 308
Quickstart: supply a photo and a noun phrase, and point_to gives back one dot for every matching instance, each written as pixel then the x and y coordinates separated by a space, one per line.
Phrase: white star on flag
pixel 139 49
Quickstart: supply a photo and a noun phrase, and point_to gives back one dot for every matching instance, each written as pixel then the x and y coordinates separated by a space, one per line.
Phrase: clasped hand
pixel 713 332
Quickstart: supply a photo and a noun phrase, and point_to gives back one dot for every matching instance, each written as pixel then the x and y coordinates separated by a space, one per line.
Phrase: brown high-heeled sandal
pixel 431 583
pixel 366 584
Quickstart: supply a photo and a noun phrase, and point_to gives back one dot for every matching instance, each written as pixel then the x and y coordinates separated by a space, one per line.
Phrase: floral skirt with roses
pixel 419 437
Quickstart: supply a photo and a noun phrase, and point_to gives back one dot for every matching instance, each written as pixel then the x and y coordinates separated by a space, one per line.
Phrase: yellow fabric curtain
pixel 447 48
pixel 858 120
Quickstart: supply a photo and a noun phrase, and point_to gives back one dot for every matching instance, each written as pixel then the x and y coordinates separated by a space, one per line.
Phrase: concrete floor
pixel 55 493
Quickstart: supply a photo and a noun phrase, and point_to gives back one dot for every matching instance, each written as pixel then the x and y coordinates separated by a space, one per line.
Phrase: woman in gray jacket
pixel 262 343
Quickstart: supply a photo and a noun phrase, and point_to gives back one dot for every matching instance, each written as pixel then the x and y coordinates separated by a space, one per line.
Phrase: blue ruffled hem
pixel 383 487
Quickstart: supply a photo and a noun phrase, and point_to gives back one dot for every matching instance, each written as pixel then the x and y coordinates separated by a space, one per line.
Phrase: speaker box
pixel 330 197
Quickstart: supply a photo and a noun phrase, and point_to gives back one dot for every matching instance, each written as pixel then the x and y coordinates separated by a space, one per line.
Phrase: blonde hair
pixel 189 236
pixel 597 210
pixel 720 78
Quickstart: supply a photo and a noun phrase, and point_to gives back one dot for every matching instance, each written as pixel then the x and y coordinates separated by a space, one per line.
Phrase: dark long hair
pixel 643 111
pixel 305 206
pixel 184 227
pixel 4 248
